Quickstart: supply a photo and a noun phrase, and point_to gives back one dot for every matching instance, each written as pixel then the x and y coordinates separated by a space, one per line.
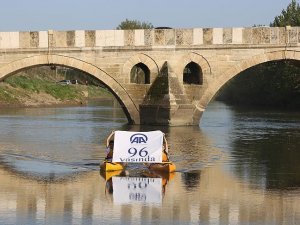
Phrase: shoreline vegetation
pixel 39 87
pixel 271 85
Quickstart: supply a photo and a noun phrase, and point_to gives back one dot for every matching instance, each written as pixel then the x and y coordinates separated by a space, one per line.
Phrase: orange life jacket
pixel 165 157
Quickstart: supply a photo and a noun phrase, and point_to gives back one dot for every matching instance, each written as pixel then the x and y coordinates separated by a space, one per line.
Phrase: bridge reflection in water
pixel 210 196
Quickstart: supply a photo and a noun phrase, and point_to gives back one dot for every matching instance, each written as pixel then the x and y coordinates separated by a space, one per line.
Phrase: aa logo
pixel 138 138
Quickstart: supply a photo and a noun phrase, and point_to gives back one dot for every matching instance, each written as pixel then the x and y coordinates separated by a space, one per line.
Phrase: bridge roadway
pixel 165 77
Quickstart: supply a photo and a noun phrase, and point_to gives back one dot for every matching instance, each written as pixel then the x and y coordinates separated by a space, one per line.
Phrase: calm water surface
pixel 240 167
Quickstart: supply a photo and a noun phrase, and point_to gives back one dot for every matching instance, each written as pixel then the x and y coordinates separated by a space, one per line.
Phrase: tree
pixel 134 24
pixel 274 84
pixel 290 16
pixel 271 84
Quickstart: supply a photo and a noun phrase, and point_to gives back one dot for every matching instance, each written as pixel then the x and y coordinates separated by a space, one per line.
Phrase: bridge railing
pixel 166 38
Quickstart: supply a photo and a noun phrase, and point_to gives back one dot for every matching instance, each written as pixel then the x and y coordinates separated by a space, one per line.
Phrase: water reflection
pixel 219 198
pixel 148 188
pixel 39 169
pixel 191 179
pixel 268 153
pixel 240 167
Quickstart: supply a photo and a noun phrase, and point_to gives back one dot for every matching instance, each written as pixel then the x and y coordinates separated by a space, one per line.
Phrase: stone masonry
pixel 109 55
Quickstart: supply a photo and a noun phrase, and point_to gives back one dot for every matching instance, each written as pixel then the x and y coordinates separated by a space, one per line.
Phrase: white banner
pixel 138 147
pixel 129 190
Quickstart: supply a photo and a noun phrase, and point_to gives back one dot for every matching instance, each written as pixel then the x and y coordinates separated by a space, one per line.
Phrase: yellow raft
pixel 166 167
pixel 111 166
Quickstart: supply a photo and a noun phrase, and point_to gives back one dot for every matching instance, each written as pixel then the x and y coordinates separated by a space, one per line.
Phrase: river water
pixel 240 167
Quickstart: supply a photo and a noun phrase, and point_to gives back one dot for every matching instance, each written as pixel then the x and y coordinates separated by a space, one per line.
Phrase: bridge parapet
pixel 200 61
pixel 164 38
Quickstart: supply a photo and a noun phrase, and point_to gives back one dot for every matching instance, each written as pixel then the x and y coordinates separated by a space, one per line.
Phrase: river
pixel 241 166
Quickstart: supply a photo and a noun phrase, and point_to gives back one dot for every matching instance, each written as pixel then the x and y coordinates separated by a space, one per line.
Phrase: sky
pixel 38 15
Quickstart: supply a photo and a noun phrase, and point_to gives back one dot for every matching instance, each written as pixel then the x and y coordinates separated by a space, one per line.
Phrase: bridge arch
pixel 196 58
pixel 138 60
pixel 140 74
pixel 192 74
pixel 216 85
pixel 128 105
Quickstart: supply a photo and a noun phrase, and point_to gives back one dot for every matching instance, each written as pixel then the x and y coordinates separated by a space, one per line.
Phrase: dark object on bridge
pixel 163 28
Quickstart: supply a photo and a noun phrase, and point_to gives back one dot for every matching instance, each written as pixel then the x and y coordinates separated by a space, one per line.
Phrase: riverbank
pixel 271 85
pixel 38 88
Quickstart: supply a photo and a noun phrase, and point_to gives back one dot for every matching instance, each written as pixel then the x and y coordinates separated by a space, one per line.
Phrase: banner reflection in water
pixel 129 190
pixel 146 189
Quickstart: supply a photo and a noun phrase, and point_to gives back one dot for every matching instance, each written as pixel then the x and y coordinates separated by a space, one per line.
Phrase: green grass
pixel 63 92
pixel 25 83
pixel 7 96
pixel 21 85
pixel 95 92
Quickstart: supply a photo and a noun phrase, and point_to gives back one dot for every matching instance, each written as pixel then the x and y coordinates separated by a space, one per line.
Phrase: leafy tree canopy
pixel 290 16
pixel 134 24
pixel 271 84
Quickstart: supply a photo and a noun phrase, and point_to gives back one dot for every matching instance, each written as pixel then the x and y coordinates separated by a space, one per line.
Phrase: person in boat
pixel 109 151
pixel 165 155
pixel 109 147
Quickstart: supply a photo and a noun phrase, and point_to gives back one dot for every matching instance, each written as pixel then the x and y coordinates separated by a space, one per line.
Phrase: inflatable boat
pixel 165 167
pixel 111 166
pixel 149 148
pixel 109 174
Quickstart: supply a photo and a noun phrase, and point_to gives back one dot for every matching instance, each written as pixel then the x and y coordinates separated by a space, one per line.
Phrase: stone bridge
pixel 159 76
